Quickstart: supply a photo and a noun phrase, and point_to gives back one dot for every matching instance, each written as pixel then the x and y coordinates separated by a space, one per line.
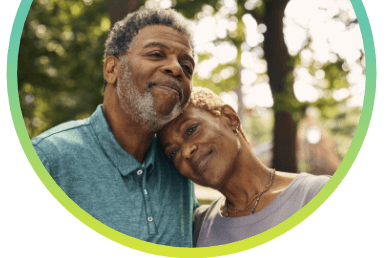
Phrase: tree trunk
pixel 279 67
pixel 240 110
pixel 118 9
pixel 284 146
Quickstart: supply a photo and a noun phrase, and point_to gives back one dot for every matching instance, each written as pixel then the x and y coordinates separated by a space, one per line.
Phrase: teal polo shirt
pixel 149 201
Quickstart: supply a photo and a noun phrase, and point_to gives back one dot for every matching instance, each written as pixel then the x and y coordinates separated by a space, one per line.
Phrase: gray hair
pixel 124 31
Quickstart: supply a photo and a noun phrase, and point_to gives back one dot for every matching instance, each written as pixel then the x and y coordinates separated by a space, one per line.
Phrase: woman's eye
pixel 172 154
pixel 191 130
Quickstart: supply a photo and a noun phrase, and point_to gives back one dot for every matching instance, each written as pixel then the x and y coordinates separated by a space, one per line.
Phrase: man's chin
pixel 164 101
pixel 166 109
pixel 154 121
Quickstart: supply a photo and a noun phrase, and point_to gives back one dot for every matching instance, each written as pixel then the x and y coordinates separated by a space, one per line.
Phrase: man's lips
pixel 172 90
pixel 169 85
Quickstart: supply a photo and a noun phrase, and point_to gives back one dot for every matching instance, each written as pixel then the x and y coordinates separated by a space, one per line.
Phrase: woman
pixel 207 144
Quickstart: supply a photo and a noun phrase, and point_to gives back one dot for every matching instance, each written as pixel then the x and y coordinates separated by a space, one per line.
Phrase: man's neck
pixel 129 133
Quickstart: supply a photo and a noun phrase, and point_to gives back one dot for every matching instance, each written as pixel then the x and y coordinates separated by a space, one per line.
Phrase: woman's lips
pixel 202 161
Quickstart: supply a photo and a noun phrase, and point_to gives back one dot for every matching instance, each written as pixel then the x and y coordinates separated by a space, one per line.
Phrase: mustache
pixel 174 84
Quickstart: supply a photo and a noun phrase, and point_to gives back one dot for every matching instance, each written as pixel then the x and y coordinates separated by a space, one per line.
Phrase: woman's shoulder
pixel 202 213
pixel 309 185
pixel 300 185
pixel 313 181
pixel 208 210
pixel 305 179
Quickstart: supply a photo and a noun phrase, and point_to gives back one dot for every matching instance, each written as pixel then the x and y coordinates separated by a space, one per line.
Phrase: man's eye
pixel 187 68
pixel 191 130
pixel 155 54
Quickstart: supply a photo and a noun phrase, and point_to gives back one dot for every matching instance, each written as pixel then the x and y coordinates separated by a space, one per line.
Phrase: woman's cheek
pixel 184 170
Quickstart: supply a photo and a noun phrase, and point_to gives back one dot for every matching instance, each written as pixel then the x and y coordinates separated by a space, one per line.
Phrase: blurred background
pixel 294 70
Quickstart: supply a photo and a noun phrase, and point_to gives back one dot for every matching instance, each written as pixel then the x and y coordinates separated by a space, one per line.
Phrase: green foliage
pixel 343 127
pixel 204 201
pixel 260 130
pixel 335 78
pixel 60 65
pixel 286 101
pixel 190 8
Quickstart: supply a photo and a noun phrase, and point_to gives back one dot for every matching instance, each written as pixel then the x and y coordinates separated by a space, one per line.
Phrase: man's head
pixel 122 35
pixel 149 62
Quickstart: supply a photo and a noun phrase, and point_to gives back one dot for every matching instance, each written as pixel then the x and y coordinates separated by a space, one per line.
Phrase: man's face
pixel 154 82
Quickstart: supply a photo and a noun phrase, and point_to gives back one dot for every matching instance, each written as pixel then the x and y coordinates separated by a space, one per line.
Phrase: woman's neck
pixel 249 178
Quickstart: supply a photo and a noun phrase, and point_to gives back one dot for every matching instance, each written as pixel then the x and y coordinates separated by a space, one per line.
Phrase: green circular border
pixel 179 251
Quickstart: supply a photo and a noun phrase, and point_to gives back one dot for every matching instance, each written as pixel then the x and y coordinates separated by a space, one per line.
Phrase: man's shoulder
pixel 72 132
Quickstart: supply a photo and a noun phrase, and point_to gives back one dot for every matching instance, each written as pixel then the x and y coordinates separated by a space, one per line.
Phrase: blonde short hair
pixel 207 100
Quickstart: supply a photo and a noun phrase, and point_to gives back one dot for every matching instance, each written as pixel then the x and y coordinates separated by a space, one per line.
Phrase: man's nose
pixel 173 68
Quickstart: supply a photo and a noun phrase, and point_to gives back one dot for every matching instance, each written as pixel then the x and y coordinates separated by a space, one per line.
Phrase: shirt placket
pixel 149 214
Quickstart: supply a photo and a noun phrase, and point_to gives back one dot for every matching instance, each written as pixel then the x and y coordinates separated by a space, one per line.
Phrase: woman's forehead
pixel 172 128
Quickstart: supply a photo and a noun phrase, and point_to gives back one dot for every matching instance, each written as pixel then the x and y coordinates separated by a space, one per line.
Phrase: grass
pixel 204 201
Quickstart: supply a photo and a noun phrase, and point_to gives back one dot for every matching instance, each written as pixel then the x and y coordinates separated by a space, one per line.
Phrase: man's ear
pixel 111 69
pixel 230 117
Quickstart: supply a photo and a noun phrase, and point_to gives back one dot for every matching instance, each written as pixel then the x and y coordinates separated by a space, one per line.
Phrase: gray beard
pixel 140 107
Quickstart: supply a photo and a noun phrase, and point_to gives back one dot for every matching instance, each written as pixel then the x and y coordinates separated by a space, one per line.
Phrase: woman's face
pixel 202 147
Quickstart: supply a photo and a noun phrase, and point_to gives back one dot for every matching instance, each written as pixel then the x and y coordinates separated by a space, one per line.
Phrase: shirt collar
pixel 122 160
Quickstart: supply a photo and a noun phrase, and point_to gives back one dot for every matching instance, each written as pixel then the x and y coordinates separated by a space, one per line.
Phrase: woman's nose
pixel 189 150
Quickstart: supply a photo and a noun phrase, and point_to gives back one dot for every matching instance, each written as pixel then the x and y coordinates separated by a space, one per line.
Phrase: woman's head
pixel 207 100
pixel 205 140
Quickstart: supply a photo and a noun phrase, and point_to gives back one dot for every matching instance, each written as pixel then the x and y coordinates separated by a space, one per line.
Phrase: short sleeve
pixel 43 158
pixel 198 219
pixel 314 184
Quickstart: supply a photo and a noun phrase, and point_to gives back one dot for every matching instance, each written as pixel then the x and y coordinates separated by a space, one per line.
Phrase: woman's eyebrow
pixel 178 131
pixel 181 124
pixel 167 145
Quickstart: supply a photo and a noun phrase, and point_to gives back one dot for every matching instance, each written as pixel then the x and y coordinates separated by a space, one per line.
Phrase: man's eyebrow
pixel 190 58
pixel 154 44
pixel 159 44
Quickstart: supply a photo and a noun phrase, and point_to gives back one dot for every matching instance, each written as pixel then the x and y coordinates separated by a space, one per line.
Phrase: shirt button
pixel 139 172
pixel 145 191
pixel 150 218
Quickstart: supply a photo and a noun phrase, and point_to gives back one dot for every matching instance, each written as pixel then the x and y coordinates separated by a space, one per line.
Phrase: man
pixel 110 164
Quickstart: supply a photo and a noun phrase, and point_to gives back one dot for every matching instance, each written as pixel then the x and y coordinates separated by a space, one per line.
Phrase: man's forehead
pixel 162 32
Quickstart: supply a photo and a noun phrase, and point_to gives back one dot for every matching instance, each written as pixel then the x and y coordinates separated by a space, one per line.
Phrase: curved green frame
pixel 179 251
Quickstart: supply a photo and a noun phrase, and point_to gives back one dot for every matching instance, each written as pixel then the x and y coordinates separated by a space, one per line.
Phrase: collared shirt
pixel 149 201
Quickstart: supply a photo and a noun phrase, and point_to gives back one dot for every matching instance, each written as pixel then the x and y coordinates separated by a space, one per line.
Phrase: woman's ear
pixel 230 117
